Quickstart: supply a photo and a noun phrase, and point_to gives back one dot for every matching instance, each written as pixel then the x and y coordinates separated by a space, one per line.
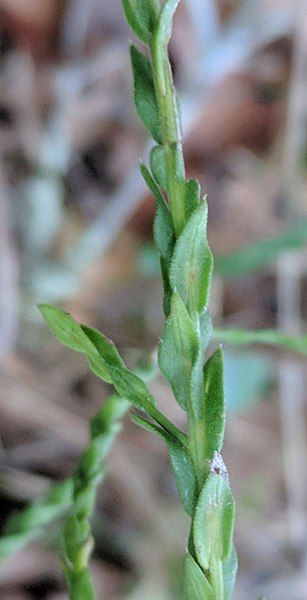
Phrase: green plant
pixel 186 264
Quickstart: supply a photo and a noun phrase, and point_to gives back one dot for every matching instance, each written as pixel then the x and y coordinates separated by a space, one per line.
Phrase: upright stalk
pixel 186 266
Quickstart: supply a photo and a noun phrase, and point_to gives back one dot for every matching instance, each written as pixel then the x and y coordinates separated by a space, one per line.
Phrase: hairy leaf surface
pixel 213 521
pixel 230 567
pixel 197 586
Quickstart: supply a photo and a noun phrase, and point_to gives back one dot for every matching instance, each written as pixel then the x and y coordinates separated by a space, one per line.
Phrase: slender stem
pixel 78 541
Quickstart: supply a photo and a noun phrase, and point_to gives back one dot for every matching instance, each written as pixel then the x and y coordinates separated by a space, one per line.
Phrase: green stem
pixel 77 531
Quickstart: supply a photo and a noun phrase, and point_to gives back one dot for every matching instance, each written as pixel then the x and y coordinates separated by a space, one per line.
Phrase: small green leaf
pixel 151 427
pixel 213 522
pixel 66 329
pixel 230 567
pixel 144 93
pixel 104 346
pixel 138 19
pixel 192 196
pixel 184 475
pixel 178 350
pixel 192 262
pixel 158 166
pixel 165 429
pixel 81 587
pixel 75 535
pixel 166 285
pixel 161 38
pixel 131 387
pixel 203 326
pixel 196 585
pixel 163 225
pixel 107 354
pixel 214 403
pixel 268 337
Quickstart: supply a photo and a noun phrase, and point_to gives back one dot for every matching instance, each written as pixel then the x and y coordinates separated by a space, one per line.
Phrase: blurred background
pixel 75 229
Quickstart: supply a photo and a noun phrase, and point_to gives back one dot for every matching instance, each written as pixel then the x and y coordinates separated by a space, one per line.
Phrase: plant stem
pixel 77 531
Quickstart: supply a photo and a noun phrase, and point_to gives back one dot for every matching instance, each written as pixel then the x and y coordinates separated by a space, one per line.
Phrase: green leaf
pixel 167 286
pixel 107 353
pixel 144 93
pixel 158 166
pixel 196 585
pixel 260 254
pixel 213 521
pixel 151 427
pixel 230 567
pixel 165 429
pixel 161 38
pixel 131 387
pixel 99 351
pixel 163 225
pixel 178 350
pixel 214 403
pixel 81 587
pixel 192 262
pixel 138 19
pixel 192 196
pixel 269 337
pixel 181 463
pixel 203 326
pixel 184 475
pixel 66 329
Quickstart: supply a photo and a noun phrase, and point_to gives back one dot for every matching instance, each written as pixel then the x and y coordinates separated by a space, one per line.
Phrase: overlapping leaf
pixel 213 522
pixel 178 350
pixel 197 586
pixel 137 16
pixel 163 225
pixel 158 166
pixel 144 93
pixel 192 263
pixel 213 410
